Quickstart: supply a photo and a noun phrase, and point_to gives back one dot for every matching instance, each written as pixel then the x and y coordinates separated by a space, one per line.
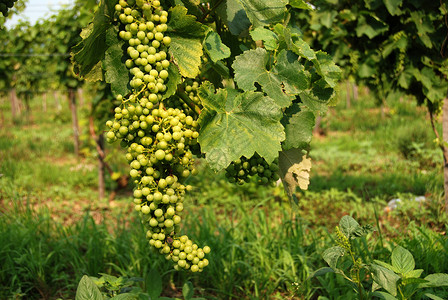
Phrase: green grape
pixel 160 135
pixel 240 170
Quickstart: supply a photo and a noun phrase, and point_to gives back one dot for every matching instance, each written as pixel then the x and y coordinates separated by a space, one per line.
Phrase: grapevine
pixel 157 134
pixel 240 170
pixel 5 6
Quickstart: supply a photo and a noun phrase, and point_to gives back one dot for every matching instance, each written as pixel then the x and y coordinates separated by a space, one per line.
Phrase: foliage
pixel 393 47
pixel 399 280
pixel 263 106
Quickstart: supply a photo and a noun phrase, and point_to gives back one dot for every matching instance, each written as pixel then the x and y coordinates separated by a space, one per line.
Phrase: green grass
pixel 53 229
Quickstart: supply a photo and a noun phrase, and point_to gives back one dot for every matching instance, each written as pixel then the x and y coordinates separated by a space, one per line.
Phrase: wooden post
pixel 445 150
pixel 15 109
pixel 72 101
pixel 355 92
pixel 348 88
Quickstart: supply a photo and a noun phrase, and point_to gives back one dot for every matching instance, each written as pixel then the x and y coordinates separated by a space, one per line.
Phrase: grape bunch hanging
pixel 158 135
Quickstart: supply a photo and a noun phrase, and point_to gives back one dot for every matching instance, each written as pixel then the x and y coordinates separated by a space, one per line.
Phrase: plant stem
pixel 184 97
pixel 211 10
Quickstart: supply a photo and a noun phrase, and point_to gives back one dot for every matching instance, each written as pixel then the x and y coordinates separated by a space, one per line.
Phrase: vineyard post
pixel 445 150
pixel 348 88
pixel 72 101
pixel 14 105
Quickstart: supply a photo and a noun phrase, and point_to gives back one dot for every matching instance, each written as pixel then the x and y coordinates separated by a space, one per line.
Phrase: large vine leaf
pixel 294 171
pixel 235 124
pixel 261 12
pixel 286 79
pixel 91 50
pixel 116 70
pixel 186 41
pixel 299 130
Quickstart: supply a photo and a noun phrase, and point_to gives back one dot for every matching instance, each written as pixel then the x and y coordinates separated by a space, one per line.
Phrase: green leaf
pixel 91 50
pixel 300 4
pixel 125 296
pixel 116 70
pixel 313 102
pixel 321 271
pixel 436 280
pixel 402 260
pixel 326 68
pixel 234 16
pixel 384 264
pixel 174 79
pixel 186 41
pixel 393 6
pixel 269 38
pixel 370 26
pixel 87 290
pixel 414 273
pixel 299 130
pixel 153 284
pixel 234 124
pixel 294 170
pixel 286 79
pixel 433 297
pixel 332 255
pixel 187 290
pixel 348 226
pixel 215 47
pixel 386 278
pixel 384 295
pixel 261 12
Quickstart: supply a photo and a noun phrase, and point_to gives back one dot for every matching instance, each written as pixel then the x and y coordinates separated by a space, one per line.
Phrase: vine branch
pixel 218 3
pixel 184 97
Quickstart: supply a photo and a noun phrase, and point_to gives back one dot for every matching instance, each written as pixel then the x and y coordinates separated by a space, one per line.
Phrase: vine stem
pixel 184 97
pixel 211 10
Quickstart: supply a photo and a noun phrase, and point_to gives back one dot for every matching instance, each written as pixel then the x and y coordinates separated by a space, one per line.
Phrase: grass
pixel 53 229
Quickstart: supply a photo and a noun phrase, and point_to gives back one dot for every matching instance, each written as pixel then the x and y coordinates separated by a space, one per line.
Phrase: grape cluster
pixel 158 136
pixel 239 171
pixel 5 6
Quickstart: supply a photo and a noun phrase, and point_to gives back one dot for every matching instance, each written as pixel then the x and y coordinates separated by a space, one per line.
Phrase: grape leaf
pixel 261 12
pixel 286 79
pixel 174 79
pixel 299 130
pixel 322 62
pixel 91 50
pixel 186 41
pixel 294 171
pixel 116 70
pixel 215 47
pixel 393 6
pixel 269 38
pixel 300 4
pixel 234 124
pixel 233 14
